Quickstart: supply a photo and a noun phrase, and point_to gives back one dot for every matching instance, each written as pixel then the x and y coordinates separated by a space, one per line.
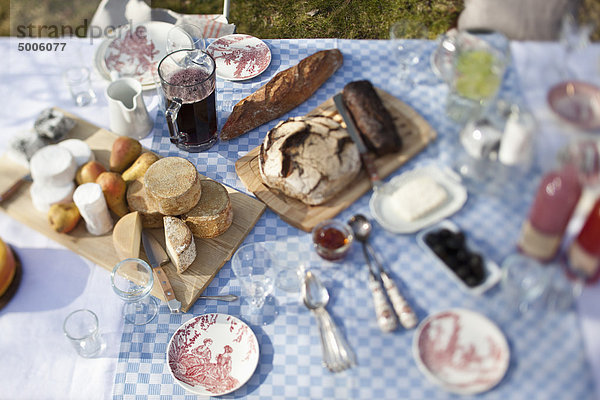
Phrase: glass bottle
pixel 584 252
pixel 554 204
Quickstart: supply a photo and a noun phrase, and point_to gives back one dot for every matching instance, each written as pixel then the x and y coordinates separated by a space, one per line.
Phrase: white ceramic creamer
pixel 127 111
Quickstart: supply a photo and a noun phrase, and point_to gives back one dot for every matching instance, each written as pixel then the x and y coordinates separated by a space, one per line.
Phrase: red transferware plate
pixel 462 351
pixel 578 103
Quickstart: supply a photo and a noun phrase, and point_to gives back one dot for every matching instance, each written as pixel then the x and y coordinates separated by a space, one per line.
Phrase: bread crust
pixel 308 158
pixel 284 92
pixel 372 119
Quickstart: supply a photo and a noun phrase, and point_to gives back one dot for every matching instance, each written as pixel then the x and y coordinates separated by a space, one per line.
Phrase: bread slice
pixel 174 183
pixel 138 200
pixel 213 214
pixel 180 243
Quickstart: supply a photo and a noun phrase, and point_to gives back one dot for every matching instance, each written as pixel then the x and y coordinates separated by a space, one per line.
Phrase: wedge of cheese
pixel 127 235
pixel 417 198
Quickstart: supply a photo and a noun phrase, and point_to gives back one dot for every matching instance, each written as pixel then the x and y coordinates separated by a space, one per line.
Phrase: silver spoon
pixel 362 230
pixel 225 297
pixel 337 354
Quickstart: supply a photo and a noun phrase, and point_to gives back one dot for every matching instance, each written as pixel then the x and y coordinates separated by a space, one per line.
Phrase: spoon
pixel 362 230
pixel 225 297
pixel 337 354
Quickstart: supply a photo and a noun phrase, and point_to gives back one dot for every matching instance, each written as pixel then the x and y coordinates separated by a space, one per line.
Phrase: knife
pixel 13 189
pixel 367 157
pixel 157 258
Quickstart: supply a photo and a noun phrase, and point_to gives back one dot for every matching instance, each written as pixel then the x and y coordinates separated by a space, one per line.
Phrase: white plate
pixel 493 274
pixel 462 351
pixel 213 354
pixel 135 52
pixel 383 212
pixel 240 57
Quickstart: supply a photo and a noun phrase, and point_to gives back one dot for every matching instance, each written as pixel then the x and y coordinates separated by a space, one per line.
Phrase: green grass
pixel 351 19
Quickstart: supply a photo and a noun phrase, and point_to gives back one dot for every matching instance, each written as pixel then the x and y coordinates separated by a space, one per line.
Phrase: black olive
pixel 471 280
pixel 431 239
pixel 463 271
pixel 445 233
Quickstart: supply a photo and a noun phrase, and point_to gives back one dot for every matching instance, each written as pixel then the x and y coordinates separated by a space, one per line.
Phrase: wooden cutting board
pixel 212 253
pixel 305 217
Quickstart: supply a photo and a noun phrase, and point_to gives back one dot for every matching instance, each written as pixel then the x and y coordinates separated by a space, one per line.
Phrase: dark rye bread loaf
pixel 284 92
pixel 372 119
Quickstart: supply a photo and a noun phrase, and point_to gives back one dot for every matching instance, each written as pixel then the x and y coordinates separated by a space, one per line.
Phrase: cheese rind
pixel 53 165
pixel 417 198
pixel 43 196
pixel 138 200
pixel 90 201
pixel 79 150
pixel 127 235
pixel 213 215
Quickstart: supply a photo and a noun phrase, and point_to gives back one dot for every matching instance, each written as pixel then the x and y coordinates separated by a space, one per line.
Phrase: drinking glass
pixel 80 86
pixel 410 53
pixel 81 328
pixel 185 36
pixel 479 66
pixel 132 281
pixel 187 88
pixel 252 264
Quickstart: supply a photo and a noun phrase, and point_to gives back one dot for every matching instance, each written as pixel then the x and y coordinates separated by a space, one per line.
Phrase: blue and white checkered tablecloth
pixel 547 354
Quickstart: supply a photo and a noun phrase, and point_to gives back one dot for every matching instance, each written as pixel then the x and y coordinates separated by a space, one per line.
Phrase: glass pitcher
pixel 187 87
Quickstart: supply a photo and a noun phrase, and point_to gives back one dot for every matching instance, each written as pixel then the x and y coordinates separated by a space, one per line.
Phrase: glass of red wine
pixel 187 87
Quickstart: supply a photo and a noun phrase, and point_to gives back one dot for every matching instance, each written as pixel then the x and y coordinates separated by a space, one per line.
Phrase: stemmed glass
pixel 185 36
pixel 413 62
pixel 132 281
pixel 573 37
pixel 252 264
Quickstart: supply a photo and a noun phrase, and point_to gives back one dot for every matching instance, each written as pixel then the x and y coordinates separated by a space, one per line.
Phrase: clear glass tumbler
pixel 81 328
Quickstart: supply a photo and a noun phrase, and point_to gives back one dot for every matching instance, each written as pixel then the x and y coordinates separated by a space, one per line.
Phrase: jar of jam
pixel 332 239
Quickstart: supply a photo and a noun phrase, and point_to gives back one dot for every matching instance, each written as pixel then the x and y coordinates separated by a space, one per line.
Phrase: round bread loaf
pixel 138 200
pixel 308 158
pixel 174 184
pixel 213 214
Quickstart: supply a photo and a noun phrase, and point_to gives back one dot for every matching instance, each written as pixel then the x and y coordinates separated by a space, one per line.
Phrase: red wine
pixel 197 117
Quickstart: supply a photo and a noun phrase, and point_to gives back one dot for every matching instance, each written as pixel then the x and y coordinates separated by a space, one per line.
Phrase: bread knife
pixel 367 157
pixel 157 257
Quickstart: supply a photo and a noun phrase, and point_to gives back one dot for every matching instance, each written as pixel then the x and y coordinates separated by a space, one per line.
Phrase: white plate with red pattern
pixel 462 351
pixel 213 354
pixel 135 52
pixel 240 57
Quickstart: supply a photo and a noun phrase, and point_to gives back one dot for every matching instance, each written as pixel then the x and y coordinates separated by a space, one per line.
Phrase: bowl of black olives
pixel 448 244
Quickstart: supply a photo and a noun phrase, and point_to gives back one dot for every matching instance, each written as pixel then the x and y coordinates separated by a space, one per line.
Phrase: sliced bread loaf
pixel 213 214
pixel 180 243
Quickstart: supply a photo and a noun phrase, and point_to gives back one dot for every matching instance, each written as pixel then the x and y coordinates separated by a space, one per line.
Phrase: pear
pixel 114 189
pixel 88 172
pixel 139 167
pixel 63 217
pixel 124 152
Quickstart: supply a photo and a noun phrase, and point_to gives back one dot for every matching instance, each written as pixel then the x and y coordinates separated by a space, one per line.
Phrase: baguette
pixel 284 92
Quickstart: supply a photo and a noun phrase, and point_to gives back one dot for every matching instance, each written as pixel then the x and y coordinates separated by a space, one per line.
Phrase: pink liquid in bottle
pixel 584 252
pixel 554 204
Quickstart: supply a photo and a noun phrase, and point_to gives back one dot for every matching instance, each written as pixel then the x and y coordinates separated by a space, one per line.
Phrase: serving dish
pixel 100 250
pixel 492 273
pixel 239 57
pixel 577 103
pixel 461 350
pixel 383 211
pixel 212 354
pixel 306 217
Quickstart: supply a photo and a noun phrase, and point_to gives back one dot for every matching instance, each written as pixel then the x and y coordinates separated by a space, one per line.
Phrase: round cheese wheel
pixel 79 150
pixel 43 196
pixel 53 165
